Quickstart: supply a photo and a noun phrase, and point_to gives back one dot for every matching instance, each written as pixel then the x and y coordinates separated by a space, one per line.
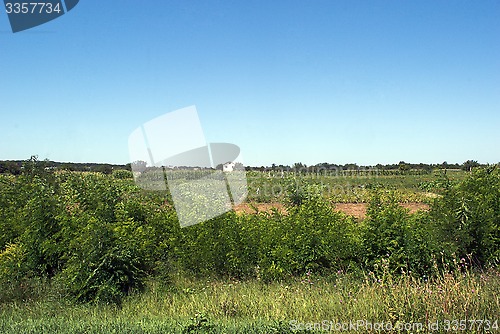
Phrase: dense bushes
pixel 391 236
pixel 101 237
pixel 310 237
pixel 463 225
pixel 467 217
pixel 66 226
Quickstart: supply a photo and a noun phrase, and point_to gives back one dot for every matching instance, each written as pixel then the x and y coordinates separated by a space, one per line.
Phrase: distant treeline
pixel 401 166
pixel 15 167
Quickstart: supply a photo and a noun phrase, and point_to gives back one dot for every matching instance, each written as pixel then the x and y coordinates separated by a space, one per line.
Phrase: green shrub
pixel 391 234
pixel 122 174
pixel 310 237
pixel 13 263
pixel 467 217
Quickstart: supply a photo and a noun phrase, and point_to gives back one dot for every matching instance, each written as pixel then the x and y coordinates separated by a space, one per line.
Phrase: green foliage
pixel 393 237
pixel 107 237
pixel 9 208
pixel 122 174
pixel 103 168
pixel 86 230
pixel 266 307
pixel 469 165
pixel 10 167
pixel 105 261
pixel 12 263
pixel 311 237
pixel 467 217
pixel 101 237
pixel 198 324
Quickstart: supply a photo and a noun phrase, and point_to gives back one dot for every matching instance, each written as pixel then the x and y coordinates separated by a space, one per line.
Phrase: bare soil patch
pixel 414 207
pixel 261 207
pixel 358 210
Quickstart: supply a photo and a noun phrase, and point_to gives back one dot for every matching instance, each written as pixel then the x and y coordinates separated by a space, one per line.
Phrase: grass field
pixel 232 306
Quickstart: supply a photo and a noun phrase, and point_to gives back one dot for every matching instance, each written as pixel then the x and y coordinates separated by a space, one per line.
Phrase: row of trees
pixel 401 166
pixel 15 167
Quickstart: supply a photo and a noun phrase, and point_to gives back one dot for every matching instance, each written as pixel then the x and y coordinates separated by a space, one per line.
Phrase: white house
pixel 228 167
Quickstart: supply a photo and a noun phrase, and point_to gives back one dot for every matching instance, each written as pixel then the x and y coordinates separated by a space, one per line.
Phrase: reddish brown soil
pixel 357 210
pixel 414 207
pixel 261 207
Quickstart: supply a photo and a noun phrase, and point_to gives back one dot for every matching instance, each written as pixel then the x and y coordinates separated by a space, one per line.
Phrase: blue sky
pixel 288 81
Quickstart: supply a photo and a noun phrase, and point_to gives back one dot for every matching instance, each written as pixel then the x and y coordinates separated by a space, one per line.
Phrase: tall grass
pixel 231 306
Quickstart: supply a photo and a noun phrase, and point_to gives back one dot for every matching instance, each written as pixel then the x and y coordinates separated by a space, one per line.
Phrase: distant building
pixel 228 167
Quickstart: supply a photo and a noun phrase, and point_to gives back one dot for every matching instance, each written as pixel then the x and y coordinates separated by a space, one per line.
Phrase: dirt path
pixel 357 210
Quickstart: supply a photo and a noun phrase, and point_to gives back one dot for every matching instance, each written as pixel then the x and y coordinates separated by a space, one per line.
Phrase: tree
pixel 104 168
pixel 403 166
pixel 469 165
pixel 10 167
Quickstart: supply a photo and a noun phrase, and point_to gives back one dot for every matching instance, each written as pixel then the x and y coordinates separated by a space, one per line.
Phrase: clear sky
pixel 288 81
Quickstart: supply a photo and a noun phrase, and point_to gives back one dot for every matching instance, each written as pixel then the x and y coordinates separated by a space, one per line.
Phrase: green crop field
pixel 87 252
pixel 267 187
